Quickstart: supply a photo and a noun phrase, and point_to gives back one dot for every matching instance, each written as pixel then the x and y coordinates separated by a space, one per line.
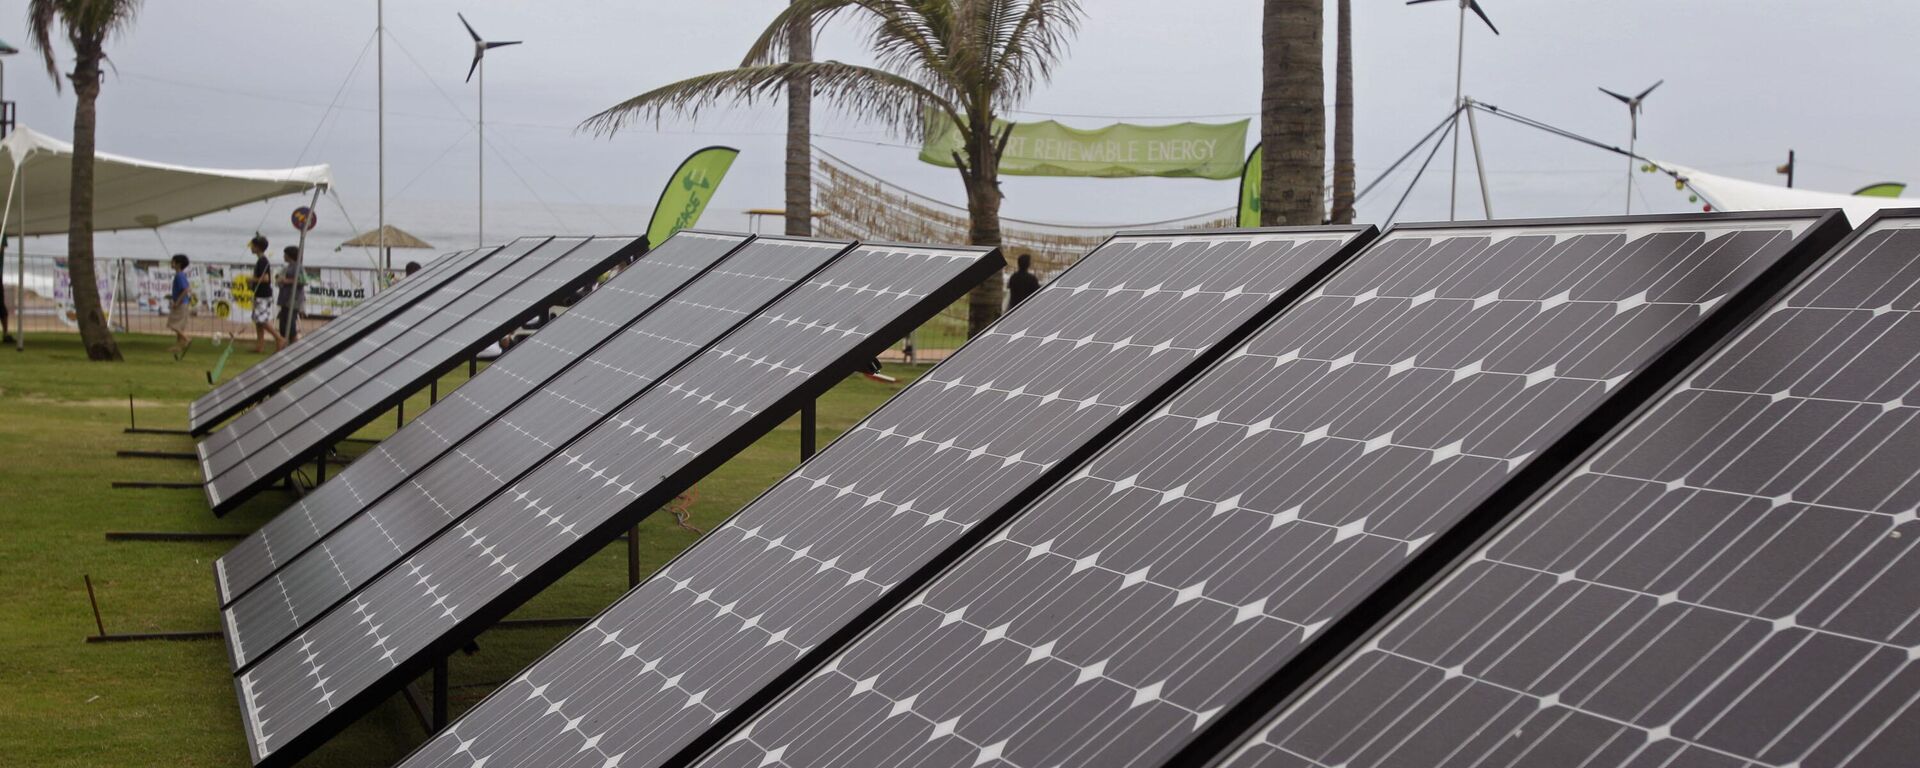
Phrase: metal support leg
pixel 807 421
pixel 400 415
pixel 440 695
pixel 433 392
pixel 320 467
pixel 633 557
pixel 473 367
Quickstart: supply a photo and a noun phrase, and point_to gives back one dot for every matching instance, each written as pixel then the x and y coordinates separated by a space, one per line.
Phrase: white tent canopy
pixel 1730 194
pixel 129 193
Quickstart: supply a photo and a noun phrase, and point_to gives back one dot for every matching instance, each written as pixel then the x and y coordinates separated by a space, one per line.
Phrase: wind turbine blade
pixel 1643 94
pixel 1623 99
pixel 1475 5
pixel 463 22
pixel 474 66
pixel 1417 2
pixel 503 45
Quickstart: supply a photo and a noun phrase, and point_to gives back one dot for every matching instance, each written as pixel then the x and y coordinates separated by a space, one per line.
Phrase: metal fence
pixel 134 293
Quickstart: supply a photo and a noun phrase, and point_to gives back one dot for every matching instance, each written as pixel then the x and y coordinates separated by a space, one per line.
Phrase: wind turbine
pixel 1459 98
pixel 1633 116
pixel 480 48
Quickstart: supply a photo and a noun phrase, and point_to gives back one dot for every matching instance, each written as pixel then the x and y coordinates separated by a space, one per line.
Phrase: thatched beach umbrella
pixel 395 238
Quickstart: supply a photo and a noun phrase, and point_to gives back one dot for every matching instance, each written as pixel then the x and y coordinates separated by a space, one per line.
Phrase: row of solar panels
pixel 1173 509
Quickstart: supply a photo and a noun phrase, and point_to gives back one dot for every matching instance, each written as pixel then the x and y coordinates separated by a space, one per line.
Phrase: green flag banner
pixel 688 191
pixel 1183 150
pixel 1250 190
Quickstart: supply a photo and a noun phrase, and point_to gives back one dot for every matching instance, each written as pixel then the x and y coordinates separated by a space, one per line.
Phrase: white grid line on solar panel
pixel 446 296
pixel 678 613
pixel 337 365
pixel 553 416
pixel 318 341
pixel 303 535
pixel 1663 552
pixel 1116 510
pixel 455 296
pixel 388 622
pixel 392 368
pixel 366 370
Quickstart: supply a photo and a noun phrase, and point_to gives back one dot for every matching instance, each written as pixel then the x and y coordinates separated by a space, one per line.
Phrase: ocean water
pixel 448 226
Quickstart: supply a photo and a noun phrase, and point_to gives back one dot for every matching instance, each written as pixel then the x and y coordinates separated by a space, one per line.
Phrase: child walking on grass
pixel 180 308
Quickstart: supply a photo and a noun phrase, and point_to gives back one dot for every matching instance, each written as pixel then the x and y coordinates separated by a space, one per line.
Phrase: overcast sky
pixel 246 83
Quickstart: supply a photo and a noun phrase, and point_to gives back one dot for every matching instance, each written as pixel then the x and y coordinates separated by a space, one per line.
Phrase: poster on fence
pixel 63 293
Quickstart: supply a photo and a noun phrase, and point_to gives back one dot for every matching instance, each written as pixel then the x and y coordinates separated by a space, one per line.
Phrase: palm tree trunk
pixel 94 332
pixel 982 175
pixel 1343 175
pixel 1293 120
pixel 799 203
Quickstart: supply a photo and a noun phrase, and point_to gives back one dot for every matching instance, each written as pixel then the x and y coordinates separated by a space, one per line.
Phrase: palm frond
pixel 897 101
pixel 902 38
pixel 1029 43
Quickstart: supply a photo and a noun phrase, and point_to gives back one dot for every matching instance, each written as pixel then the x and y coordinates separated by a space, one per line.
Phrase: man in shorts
pixel 179 307
pixel 263 314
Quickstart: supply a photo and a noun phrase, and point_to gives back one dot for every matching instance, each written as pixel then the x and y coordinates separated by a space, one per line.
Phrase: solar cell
pixel 344 362
pixel 371 538
pixel 573 336
pixel 383 378
pixel 1122 613
pixel 1728 582
pixel 783 581
pixel 260 379
pixel 636 460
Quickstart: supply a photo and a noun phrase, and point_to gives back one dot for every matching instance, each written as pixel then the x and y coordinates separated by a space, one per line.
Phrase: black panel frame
pixel 232 406
pixel 596 538
pixel 716 733
pixel 1448 548
pixel 746 239
pixel 267 479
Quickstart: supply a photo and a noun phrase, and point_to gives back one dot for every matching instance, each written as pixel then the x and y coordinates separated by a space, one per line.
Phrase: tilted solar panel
pixel 1731 581
pixel 380 534
pixel 572 505
pixel 819 554
pixel 519 373
pixel 256 459
pixel 1123 613
pixel 260 379
pixel 343 363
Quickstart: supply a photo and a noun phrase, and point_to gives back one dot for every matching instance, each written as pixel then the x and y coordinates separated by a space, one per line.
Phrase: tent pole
pixel 299 274
pixel 20 284
pixel 380 77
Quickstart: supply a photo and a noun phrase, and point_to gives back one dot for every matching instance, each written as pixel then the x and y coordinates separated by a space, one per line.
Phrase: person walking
pixel 179 307
pixel 290 294
pixel 1022 283
pixel 263 314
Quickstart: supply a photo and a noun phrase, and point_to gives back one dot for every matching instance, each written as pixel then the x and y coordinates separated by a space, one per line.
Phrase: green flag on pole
pixel 1250 190
pixel 688 191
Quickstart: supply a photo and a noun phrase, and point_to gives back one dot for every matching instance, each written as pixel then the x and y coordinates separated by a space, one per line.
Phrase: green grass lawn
pixel 66 702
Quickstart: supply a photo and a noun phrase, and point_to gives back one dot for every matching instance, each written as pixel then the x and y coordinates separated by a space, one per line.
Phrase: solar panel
pixel 1728 582
pixel 989 428
pixel 260 379
pixel 1120 614
pixel 519 373
pixel 257 459
pixel 572 505
pixel 344 363
pixel 370 538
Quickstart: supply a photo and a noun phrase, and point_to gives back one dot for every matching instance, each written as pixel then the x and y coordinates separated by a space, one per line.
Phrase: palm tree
pixel 800 135
pixel 963 60
pixel 88 24
pixel 1343 181
pixel 1293 117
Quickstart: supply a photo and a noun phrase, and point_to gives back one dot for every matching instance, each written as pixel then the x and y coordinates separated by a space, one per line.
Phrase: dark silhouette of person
pixel 1022 283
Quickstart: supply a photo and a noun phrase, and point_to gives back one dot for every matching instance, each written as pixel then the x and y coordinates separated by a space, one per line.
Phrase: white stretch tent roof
pixel 1729 194
pixel 129 193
